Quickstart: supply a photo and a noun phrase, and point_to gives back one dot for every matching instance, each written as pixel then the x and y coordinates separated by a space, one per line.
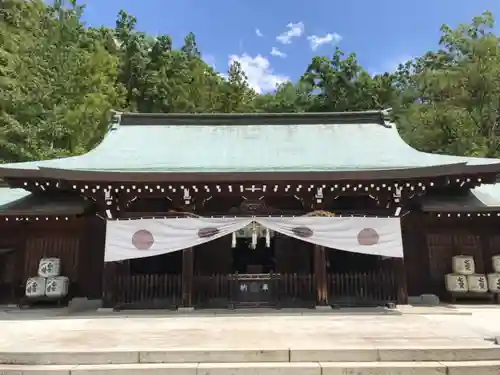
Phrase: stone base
pixel 238 356
pixel 105 310
pixel 262 368
pixel 323 308
pixel 84 304
pixel 185 309
pixel 424 300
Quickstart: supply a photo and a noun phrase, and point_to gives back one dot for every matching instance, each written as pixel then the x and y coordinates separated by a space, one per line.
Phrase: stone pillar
pixel 187 277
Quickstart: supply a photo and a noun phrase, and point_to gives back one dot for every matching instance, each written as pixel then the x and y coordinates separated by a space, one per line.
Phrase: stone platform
pixel 267 344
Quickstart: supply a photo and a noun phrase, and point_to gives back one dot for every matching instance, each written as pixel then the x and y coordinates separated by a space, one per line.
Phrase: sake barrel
pixel 494 282
pixel 35 287
pixel 456 283
pixel 495 263
pixel 57 287
pixel 477 283
pixel 49 267
pixel 463 265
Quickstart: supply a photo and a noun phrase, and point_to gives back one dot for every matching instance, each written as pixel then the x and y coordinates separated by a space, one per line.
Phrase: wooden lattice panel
pixel 443 246
pixel 64 248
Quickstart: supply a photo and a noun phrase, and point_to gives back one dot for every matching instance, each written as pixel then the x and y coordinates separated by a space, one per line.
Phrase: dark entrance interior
pixel 249 260
pixel 339 261
pixel 160 264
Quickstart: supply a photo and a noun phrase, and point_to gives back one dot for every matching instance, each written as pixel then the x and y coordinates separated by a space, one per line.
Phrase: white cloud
pixel 295 30
pixel 261 76
pixel 259 33
pixel 278 53
pixel 316 41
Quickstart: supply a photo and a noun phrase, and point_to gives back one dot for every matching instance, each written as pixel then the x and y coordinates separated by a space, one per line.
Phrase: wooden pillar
pixel 187 277
pixel 91 257
pixel 402 298
pixel 20 277
pixel 320 275
pixel 110 284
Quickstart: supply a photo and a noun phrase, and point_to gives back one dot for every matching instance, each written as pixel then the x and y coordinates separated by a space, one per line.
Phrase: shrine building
pixel 230 210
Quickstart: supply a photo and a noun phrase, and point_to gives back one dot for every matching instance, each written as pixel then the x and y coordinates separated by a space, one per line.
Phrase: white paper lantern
pixel 49 267
pixel 456 283
pixel 495 263
pixel 57 286
pixel 35 287
pixel 463 265
pixel 494 282
pixel 477 283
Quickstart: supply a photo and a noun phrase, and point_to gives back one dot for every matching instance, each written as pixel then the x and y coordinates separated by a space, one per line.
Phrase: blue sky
pixel 274 40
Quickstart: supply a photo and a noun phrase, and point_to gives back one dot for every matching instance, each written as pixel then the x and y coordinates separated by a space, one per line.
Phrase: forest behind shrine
pixel 59 80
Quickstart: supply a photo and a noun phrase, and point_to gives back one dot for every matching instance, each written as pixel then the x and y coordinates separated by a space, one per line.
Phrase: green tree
pixel 450 99
pixel 57 86
pixel 237 96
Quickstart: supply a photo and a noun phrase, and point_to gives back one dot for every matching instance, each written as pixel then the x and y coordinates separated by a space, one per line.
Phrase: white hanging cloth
pixel 366 235
pixel 149 237
pixel 131 239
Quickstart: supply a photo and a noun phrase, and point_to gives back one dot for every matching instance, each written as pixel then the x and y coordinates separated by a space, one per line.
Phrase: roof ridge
pixel 315 118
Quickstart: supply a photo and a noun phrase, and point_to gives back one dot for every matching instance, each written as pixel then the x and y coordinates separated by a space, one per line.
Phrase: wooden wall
pixel 430 242
pixel 78 242
pixel 9 260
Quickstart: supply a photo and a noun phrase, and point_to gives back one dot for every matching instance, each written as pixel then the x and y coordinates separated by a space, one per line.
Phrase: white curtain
pixel 130 239
pixel 366 235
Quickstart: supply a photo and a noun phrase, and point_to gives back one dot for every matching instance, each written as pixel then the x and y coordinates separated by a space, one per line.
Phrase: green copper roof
pixel 480 199
pixel 8 196
pixel 23 203
pixel 251 143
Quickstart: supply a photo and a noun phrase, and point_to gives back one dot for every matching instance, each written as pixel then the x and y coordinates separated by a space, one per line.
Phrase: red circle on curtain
pixel 143 239
pixel 368 237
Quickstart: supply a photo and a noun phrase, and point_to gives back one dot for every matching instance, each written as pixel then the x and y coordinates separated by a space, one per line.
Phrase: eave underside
pixel 457 169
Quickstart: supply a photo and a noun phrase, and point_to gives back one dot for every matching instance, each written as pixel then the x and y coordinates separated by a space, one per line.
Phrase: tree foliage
pixel 59 79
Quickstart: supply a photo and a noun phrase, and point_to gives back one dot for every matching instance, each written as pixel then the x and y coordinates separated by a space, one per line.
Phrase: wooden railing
pixel 362 288
pixel 148 291
pixel 297 290
pixel 214 291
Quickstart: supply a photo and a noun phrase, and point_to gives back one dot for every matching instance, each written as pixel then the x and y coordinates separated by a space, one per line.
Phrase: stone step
pixel 486 352
pixel 259 368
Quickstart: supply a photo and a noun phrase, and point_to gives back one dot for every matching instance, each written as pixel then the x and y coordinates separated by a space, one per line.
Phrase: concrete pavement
pixel 453 341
